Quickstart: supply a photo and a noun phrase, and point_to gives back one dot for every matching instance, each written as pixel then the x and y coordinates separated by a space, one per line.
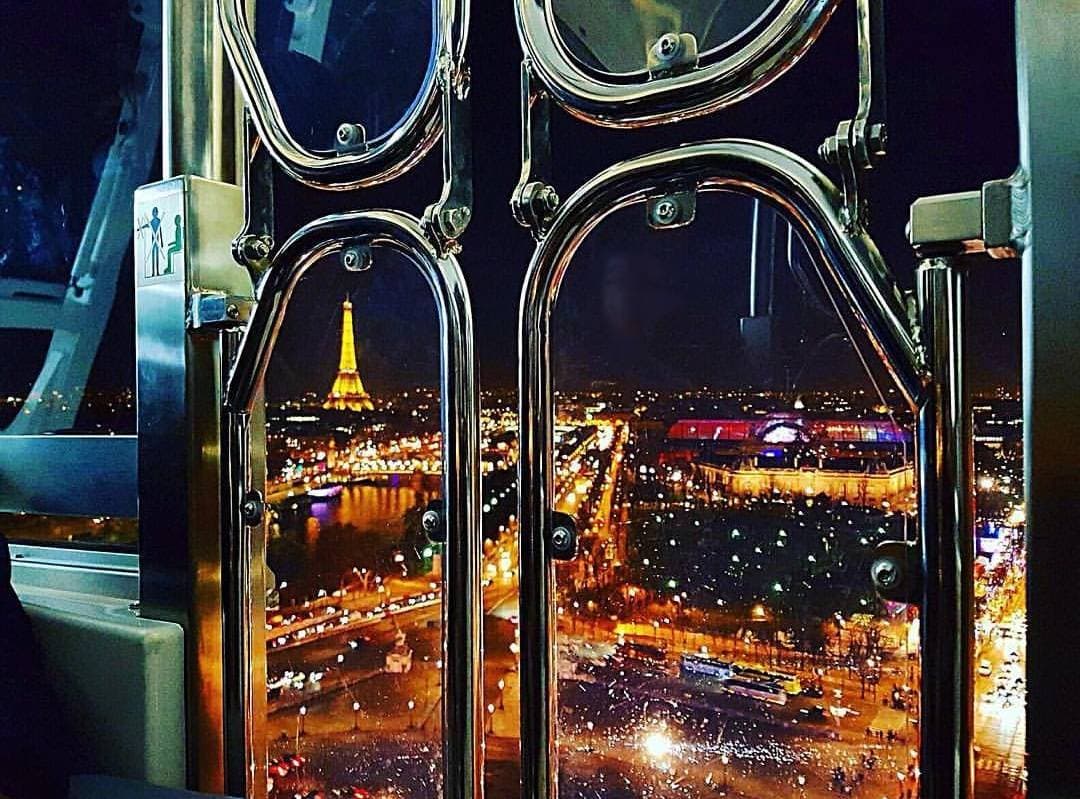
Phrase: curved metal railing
pixel 462 707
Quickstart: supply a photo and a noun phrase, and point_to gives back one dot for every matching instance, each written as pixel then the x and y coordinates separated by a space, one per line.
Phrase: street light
pixel 491 719
pixel 301 715
pixel 356 715
pixel 502 685
pixel 412 706
pixel 725 760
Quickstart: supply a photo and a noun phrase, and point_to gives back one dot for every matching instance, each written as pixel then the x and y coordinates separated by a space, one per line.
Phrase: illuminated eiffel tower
pixel 348 392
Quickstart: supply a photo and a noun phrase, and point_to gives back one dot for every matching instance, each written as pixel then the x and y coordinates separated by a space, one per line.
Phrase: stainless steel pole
pixel 178 397
pixel 947 528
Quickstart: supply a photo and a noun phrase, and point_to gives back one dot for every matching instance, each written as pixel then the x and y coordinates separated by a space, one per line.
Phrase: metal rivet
pixel 668 46
pixel 351 136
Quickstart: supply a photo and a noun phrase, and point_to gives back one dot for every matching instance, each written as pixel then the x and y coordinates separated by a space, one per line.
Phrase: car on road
pixel 815 713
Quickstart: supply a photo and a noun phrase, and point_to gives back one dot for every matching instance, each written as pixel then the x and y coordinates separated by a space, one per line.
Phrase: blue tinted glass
pixel 79 130
pixel 333 62
pixel 615 35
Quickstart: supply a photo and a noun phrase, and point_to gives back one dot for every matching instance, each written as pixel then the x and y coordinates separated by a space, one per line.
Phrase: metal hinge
pixel 445 220
pixel 254 244
pixel 860 143
pixel 534 201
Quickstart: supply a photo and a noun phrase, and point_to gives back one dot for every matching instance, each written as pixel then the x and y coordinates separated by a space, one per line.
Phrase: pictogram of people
pixel 159 260
pixel 176 246
pixel 152 268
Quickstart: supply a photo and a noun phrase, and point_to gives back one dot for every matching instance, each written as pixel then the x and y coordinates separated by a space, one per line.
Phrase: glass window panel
pixel 333 62
pixel 353 458
pixel 66 288
pixel 1000 605
pixel 615 35
pixel 28 528
pixel 731 473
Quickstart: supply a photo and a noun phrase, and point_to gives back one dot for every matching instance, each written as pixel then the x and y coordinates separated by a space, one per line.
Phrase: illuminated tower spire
pixel 348 392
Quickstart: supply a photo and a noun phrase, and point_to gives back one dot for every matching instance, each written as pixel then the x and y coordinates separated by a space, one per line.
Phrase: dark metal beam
pixel 1048 63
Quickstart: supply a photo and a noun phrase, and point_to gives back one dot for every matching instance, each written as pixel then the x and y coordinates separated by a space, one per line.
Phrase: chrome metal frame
pixel 386 157
pixel 850 267
pixel 462 706
pixel 178 397
pixel 633 100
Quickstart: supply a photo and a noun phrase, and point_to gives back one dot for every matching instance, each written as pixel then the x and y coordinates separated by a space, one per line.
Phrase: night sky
pixel 952 125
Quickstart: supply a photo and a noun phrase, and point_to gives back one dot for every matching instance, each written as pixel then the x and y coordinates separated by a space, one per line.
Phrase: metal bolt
pixel 254 249
pixel 548 199
pixel 829 150
pixel 561 539
pixel 351 135
pixel 668 46
pixel 455 220
pixel 232 310
pixel 356 259
pixel 430 521
pixel 665 212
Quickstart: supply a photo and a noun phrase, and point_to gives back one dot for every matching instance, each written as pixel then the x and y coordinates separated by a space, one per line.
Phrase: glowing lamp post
pixel 412 707
pixel 356 715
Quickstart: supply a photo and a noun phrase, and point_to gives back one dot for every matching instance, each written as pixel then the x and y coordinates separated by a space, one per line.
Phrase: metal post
pixel 947 517
pixel 243 591
pixel 1049 93
pixel 538 689
pixel 179 395
pixel 199 126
